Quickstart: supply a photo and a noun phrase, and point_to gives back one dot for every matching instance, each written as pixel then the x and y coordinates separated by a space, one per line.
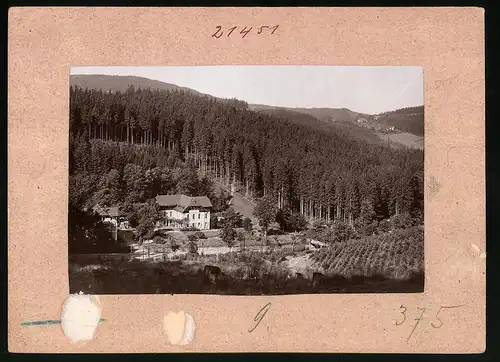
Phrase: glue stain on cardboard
pixel 179 327
pixel 80 317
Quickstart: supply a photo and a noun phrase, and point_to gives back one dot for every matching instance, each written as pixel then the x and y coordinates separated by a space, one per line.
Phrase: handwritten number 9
pixel 260 315
pixel 404 315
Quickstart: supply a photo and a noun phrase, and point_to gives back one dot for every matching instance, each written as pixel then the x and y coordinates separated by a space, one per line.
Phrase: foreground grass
pixel 174 280
pixel 391 263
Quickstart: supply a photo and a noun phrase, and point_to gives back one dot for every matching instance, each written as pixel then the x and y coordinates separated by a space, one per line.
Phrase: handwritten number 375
pixel 403 310
pixel 437 325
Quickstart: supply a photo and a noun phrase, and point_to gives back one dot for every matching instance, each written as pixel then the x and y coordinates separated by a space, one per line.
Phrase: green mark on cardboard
pixel 48 322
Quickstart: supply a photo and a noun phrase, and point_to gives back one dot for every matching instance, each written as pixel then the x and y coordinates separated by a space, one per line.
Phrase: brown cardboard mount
pixel 44 43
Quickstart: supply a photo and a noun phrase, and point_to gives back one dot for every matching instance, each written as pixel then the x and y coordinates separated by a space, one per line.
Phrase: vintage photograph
pixel 246 180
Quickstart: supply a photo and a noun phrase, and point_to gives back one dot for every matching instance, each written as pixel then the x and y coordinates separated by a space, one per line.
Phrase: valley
pixel 294 195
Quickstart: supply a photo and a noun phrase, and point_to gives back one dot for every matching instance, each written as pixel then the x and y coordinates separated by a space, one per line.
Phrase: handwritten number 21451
pixel 244 31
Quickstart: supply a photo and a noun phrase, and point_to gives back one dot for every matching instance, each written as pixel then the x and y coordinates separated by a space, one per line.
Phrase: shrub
pixel 318 225
pixel 300 247
pixel 369 229
pixel 247 224
pixel 384 226
pixel 214 221
pixel 401 221
pixel 275 272
pixel 342 232
pixel 240 236
pixel 173 245
pixel 159 240
pixel 230 219
pixel 193 247
pixel 290 221
pixel 228 235
pixel 189 228
pixel 266 212
pixel 200 235
pixel 327 236
pixel 192 237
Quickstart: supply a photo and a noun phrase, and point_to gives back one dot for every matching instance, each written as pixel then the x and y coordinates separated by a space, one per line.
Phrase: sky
pixel 363 89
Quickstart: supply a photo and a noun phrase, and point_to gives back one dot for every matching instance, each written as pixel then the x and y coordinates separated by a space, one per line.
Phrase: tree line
pixel 118 174
pixel 405 110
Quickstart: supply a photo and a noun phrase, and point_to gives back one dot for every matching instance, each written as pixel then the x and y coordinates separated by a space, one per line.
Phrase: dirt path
pixel 240 204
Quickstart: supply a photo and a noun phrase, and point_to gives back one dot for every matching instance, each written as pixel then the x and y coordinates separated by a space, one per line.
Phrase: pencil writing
pixel 244 31
pixel 258 317
pixel 438 323
pixel 418 319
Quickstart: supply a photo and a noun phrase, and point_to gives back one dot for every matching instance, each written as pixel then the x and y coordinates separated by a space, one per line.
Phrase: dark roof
pixel 200 201
pixel 107 211
pixel 182 202
pixel 167 200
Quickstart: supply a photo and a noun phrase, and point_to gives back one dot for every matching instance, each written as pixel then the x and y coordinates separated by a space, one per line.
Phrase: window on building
pixel 193 216
pixel 198 216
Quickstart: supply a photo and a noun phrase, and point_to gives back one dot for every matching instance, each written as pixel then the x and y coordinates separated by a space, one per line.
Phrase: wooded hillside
pixel 314 171
pixel 410 119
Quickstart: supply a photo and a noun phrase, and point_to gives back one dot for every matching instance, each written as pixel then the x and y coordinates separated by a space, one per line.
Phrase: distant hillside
pixel 339 127
pixel 120 83
pixel 323 114
pixel 333 114
pixel 389 128
pixel 409 119
pixel 293 116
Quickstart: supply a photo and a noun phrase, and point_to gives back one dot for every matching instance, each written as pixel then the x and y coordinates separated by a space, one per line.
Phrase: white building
pixel 111 217
pixel 179 211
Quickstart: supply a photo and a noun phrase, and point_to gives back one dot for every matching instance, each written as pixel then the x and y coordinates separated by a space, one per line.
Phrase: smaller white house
pixel 178 211
pixel 110 216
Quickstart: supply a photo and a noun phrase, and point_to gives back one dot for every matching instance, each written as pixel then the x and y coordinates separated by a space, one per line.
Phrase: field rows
pixel 397 255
